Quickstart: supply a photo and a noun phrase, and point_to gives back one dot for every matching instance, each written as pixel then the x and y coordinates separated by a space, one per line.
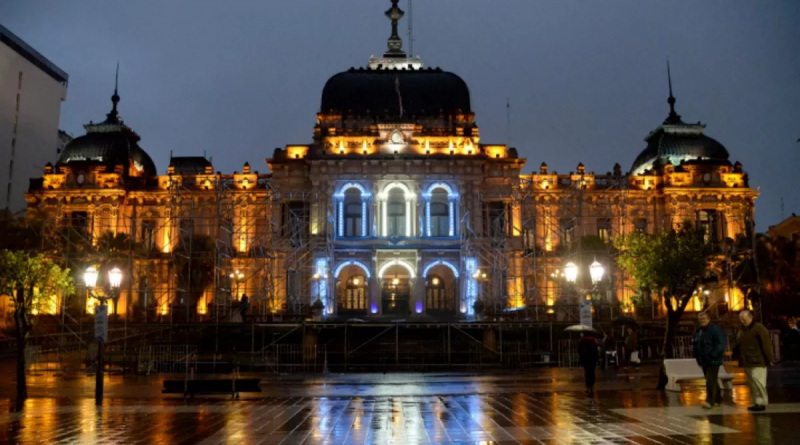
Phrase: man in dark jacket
pixel 754 349
pixel 709 349
pixel 587 351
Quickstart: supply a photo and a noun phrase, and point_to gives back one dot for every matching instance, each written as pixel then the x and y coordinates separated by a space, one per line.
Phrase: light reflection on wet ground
pixel 400 409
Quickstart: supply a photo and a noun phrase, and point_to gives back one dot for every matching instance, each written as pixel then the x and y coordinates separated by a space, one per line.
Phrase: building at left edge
pixel 396 210
pixel 31 91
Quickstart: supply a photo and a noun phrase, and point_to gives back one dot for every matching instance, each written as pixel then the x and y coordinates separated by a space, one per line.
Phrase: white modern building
pixel 31 91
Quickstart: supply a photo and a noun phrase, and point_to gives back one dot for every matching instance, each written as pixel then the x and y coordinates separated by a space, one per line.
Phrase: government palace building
pixel 395 210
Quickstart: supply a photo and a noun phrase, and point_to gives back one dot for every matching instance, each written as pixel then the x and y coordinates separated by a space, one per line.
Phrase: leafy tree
pixel 30 281
pixel 668 263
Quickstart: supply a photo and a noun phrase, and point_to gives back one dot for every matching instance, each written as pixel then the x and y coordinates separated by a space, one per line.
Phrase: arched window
pixel 440 213
pixel 353 213
pixel 396 213
pixel 436 298
pixel 355 297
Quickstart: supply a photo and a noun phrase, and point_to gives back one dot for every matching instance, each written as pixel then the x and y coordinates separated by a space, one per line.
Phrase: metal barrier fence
pixel 280 358
pixel 170 359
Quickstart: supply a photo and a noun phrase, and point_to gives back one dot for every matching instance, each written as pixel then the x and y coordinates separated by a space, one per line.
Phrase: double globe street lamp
pixel 101 320
pixel 596 272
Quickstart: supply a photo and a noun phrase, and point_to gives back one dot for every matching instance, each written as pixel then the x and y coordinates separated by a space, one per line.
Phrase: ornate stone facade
pixel 396 209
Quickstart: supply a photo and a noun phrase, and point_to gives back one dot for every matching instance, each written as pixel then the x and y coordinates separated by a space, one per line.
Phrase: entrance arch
pixel 397 281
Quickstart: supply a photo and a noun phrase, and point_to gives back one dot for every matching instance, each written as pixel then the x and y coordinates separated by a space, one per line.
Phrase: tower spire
pixel 395 43
pixel 673 118
pixel 113 116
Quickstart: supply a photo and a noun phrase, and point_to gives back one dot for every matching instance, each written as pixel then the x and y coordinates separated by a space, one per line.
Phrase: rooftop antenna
pixel 673 118
pixel 410 28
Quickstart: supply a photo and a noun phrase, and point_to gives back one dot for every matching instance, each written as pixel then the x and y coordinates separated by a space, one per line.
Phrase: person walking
pixel 632 348
pixel 587 351
pixel 754 349
pixel 709 351
pixel 243 307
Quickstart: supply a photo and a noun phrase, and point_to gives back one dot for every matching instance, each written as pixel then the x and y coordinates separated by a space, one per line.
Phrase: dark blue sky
pixel 586 79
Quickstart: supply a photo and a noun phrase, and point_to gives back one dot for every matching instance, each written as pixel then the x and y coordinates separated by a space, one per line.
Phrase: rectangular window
pixel 19 82
pixel 17 101
pixel 80 222
pixel 495 221
pixel 604 229
pixel 712 223
pixel 295 218
pixel 148 234
pixel 640 224
pixel 352 219
pixel 567 232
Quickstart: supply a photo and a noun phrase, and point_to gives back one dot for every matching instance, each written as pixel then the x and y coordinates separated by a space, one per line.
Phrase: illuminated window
pixel 435 294
pixel 355 297
pixel 396 213
pixel 712 224
pixel 440 213
pixel 604 229
pixel 352 212
pixel 148 234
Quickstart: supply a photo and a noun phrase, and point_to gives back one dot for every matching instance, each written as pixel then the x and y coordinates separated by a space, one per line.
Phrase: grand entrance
pixel 395 291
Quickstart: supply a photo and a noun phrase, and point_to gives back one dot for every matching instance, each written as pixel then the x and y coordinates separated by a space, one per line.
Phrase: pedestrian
pixel 587 351
pixel 754 349
pixel 709 351
pixel 632 348
pixel 243 307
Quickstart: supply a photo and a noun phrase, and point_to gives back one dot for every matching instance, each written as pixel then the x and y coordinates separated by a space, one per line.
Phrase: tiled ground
pixel 617 417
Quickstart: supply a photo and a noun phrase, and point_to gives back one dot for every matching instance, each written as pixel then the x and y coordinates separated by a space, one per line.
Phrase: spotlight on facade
pixel 596 270
pixel 90 277
pixel 435 281
pixel 571 272
pixel 355 281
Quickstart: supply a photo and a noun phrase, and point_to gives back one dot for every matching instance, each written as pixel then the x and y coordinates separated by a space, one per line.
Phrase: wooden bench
pixel 211 386
pixel 679 370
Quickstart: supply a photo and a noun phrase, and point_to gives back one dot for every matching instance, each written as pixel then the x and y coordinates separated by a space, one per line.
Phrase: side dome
pixel 677 143
pixel 110 143
pixel 396 93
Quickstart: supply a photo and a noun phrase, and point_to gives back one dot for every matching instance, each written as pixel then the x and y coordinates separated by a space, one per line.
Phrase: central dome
pixel 396 93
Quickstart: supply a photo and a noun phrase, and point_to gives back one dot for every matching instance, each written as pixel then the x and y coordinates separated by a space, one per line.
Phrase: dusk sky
pixel 586 79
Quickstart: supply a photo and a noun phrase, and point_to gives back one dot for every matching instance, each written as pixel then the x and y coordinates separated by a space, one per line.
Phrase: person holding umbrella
pixel 587 351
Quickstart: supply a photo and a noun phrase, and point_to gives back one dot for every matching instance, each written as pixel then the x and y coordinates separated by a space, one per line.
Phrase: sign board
pixel 585 307
pixel 101 323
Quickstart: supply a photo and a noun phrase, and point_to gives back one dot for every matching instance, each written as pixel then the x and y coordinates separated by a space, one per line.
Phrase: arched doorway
pixel 441 287
pixel 396 284
pixel 352 289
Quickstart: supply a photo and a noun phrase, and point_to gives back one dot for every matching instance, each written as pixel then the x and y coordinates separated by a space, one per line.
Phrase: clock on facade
pixel 397 137
pixel 80 179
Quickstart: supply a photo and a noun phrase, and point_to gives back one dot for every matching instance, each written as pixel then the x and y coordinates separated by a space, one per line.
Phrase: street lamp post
pixel 101 321
pixel 596 272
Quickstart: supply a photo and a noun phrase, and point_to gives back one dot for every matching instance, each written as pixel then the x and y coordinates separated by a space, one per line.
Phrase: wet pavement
pixel 538 407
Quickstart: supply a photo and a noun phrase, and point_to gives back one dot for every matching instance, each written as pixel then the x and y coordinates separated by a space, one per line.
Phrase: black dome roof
pixel 110 148
pixel 109 143
pixel 380 91
pixel 676 143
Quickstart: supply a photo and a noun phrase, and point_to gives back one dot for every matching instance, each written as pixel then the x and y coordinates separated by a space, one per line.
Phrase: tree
pixel 30 281
pixel 668 263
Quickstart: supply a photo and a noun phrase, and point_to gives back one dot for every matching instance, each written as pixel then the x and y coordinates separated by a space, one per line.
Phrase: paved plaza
pixel 542 407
